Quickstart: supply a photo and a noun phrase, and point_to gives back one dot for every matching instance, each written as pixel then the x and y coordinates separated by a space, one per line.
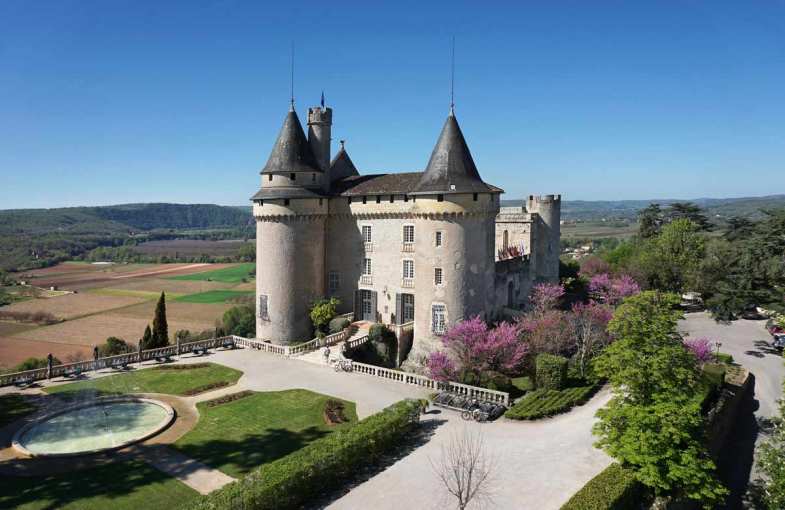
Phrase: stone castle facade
pixel 428 248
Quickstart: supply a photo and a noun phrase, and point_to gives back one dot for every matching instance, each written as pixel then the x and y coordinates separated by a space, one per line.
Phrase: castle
pixel 428 248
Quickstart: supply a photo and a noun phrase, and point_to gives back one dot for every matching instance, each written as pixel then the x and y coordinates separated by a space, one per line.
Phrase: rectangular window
pixel 263 312
pixel 285 201
pixel 407 301
pixel 313 178
pixel 439 237
pixel 365 200
pixel 474 197
pixel 437 276
pixel 408 234
pixel 378 199
pixel 408 269
pixel 406 198
pixel 349 200
pixel 333 282
pixel 366 267
pixel 320 201
pixel 438 319
pixel 440 198
pixel 269 177
pixel 367 234
pixel 392 198
pixel 292 176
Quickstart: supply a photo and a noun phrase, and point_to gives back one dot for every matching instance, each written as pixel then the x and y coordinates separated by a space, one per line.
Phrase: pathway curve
pixel 194 474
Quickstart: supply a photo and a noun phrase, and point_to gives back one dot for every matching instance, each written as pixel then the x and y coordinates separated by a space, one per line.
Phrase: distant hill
pixel 585 210
pixel 40 237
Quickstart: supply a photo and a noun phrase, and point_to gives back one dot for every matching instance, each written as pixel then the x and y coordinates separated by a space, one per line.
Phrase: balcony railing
pixel 407 248
pixel 368 247
pixel 407 283
pixel 366 279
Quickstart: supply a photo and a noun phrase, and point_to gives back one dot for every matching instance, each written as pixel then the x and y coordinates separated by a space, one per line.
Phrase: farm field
pixel 215 296
pixel 234 274
pixel 597 229
pixel 191 247
pixel 118 300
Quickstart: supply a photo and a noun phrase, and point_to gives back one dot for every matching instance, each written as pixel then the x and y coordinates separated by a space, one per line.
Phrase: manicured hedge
pixel 614 489
pixel 542 402
pixel 551 371
pixel 303 476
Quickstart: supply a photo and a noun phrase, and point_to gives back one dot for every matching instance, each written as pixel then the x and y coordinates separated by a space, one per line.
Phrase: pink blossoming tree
pixel 545 296
pixel 589 326
pixel 471 346
pixel 612 290
pixel 700 348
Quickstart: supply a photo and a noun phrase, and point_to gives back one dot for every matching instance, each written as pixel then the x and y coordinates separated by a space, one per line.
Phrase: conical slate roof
pixel 342 166
pixel 291 152
pixel 451 168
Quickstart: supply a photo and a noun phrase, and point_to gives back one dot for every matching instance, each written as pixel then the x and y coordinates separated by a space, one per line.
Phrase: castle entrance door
pixel 366 303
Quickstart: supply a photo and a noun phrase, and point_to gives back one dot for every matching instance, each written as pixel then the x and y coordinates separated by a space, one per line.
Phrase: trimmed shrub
pixel 615 488
pixel 303 476
pixel 542 402
pixel 338 324
pixel 551 371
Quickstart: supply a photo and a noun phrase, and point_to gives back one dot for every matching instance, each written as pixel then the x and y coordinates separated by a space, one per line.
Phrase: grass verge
pixel 240 435
pixel 159 379
pixel 231 274
pixel 130 485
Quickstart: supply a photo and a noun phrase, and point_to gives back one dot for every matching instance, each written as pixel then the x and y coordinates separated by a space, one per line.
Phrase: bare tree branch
pixel 464 469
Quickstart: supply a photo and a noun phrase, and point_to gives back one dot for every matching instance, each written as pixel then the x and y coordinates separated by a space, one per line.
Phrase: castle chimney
pixel 320 121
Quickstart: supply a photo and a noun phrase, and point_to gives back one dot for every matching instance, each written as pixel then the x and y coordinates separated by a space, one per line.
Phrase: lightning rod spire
pixel 291 79
pixel 452 78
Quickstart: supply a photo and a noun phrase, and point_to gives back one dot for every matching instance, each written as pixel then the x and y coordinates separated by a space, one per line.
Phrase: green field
pixel 232 274
pixel 130 485
pixel 154 380
pixel 214 296
pixel 238 436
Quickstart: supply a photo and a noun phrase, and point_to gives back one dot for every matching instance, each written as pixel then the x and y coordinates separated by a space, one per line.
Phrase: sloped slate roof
pixel 281 192
pixel 291 152
pixel 342 166
pixel 451 168
pixel 379 184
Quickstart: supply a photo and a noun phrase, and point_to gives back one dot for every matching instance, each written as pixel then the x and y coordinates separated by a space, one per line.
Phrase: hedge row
pixel 307 474
pixel 551 371
pixel 614 489
pixel 543 402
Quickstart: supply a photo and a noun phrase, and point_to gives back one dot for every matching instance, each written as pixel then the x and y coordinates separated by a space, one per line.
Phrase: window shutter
pixel 374 314
pixel 398 309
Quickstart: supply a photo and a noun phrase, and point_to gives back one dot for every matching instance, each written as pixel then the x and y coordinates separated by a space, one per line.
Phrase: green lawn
pixel 238 436
pixel 154 380
pixel 13 407
pixel 214 296
pixel 231 274
pixel 131 485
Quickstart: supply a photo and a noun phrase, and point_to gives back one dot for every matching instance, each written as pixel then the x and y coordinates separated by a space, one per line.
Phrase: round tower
pixel 546 236
pixel 290 211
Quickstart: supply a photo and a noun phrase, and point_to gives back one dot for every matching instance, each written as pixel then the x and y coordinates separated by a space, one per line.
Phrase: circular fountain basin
pixel 101 425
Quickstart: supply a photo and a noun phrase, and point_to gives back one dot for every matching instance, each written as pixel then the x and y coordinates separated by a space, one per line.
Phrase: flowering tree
pixel 470 346
pixel 547 331
pixel 593 265
pixel 612 291
pixel 700 348
pixel 545 296
pixel 589 326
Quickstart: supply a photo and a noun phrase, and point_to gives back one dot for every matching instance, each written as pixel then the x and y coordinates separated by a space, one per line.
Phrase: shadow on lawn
pixel 252 451
pixel 110 481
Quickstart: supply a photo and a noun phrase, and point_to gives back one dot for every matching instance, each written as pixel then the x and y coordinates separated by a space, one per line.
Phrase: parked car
pixel 778 341
pixel 692 302
pixel 773 328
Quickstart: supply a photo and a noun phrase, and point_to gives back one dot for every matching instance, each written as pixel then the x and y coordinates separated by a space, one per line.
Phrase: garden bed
pixel 228 398
pixel 542 403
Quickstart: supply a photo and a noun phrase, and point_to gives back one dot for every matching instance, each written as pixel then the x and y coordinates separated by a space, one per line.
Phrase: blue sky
pixel 131 101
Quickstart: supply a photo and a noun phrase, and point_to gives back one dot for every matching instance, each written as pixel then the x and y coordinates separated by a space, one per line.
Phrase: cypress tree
pixel 160 327
pixel 147 338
